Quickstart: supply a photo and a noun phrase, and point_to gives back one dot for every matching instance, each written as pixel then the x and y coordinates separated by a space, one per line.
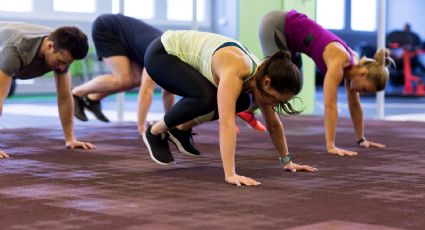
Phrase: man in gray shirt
pixel 28 51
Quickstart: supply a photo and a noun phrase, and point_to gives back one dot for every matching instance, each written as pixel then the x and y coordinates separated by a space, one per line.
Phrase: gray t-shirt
pixel 19 46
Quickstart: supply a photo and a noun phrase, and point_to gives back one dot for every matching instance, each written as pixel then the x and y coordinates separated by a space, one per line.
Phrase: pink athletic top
pixel 306 36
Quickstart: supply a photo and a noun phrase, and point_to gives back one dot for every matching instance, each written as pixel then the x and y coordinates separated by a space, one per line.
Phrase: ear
pixel 266 82
pixel 50 45
pixel 364 72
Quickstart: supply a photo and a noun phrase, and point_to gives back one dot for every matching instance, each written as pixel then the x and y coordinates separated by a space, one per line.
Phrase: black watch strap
pixel 361 140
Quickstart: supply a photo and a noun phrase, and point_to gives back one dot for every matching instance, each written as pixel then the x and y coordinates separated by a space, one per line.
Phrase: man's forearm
pixel 65 115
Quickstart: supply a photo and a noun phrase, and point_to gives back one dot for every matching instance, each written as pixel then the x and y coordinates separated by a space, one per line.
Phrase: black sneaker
pixel 183 141
pixel 79 108
pixel 96 109
pixel 158 147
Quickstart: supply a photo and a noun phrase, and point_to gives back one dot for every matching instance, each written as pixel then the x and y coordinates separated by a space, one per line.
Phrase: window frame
pixel 160 16
pixel 344 24
pixel 347 21
pixel 21 12
pixel 350 18
pixel 73 12
pixel 43 10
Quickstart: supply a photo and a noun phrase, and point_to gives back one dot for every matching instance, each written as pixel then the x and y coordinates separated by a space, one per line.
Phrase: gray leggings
pixel 271 32
pixel 272 35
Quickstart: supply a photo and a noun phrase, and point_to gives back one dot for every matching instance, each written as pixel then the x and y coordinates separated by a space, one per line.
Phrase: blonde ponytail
pixel 382 57
pixel 378 67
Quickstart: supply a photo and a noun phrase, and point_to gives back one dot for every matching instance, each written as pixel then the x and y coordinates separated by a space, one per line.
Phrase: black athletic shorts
pixel 106 39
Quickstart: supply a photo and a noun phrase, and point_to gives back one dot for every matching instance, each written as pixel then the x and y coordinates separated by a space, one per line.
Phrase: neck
pixel 350 72
pixel 43 48
pixel 249 85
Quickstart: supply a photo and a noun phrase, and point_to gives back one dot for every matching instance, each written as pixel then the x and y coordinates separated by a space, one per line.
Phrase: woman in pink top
pixel 297 33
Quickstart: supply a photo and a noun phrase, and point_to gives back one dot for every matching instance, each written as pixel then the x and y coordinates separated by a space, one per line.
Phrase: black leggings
pixel 199 96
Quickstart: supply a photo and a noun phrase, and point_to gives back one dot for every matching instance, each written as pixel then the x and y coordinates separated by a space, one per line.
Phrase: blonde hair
pixel 378 67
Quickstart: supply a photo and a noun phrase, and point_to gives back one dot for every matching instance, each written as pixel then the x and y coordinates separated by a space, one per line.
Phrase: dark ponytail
pixel 285 78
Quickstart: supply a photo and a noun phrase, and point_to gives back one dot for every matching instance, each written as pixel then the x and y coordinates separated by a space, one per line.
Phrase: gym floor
pixel 117 186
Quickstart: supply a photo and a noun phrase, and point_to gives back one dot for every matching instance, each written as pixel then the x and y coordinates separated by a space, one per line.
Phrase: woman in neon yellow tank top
pixel 216 77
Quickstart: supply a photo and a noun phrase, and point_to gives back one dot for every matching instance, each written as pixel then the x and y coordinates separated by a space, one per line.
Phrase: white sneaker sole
pixel 177 143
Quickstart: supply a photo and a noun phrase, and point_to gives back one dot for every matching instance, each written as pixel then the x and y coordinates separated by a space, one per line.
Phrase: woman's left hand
pixel 371 144
pixel 75 144
pixel 291 166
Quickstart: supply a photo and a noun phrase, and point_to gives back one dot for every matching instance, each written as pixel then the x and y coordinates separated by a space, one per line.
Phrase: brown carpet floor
pixel 117 186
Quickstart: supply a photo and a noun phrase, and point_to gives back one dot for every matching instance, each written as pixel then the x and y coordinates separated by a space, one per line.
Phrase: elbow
pixel 226 125
pixel 330 106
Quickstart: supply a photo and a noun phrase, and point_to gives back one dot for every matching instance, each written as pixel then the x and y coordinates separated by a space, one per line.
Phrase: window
pixel 181 10
pixel 139 8
pixel 115 6
pixel 16 5
pixel 330 13
pixel 363 18
pixel 135 8
pixel 163 12
pixel 78 6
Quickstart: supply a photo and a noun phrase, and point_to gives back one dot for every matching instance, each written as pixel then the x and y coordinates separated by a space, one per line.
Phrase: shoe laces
pixel 190 134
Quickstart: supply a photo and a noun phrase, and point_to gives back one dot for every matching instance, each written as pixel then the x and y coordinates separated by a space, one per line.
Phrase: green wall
pixel 250 14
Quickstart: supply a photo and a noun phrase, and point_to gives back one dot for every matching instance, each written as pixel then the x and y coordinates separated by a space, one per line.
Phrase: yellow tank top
pixel 197 48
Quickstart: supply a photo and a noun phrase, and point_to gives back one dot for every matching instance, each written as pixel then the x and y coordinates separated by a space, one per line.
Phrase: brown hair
pixel 72 39
pixel 285 78
pixel 378 67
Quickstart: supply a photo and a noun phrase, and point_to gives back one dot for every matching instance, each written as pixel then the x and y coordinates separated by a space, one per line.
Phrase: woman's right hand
pixel 341 152
pixel 241 180
pixel 3 154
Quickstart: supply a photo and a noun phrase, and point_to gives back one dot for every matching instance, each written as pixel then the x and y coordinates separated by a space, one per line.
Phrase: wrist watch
pixel 284 160
pixel 361 140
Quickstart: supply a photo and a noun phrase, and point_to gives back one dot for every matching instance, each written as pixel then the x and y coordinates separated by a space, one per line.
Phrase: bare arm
pixel 66 111
pixel 228 91
pixel 330 97
pixel 275 129
pixel 230 68
pixel 277 134
pixel 356 111
pixel 5 83
pixel 330 93
pixel 65 106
